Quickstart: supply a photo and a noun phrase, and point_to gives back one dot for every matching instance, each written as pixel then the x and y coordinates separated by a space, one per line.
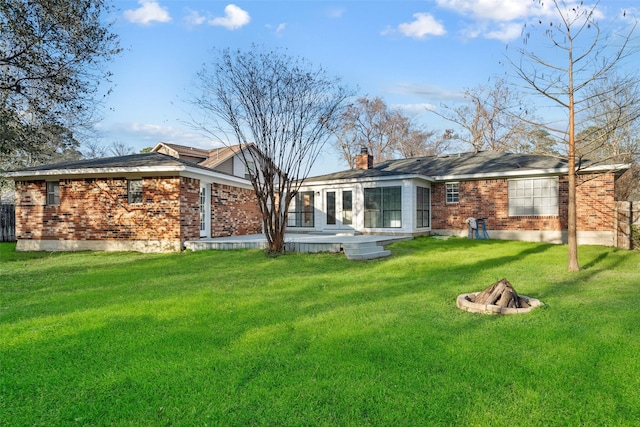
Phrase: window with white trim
pixel 533 197
pixel 423 204
pixel 134 191
pixel 301 210
pixel 383 207
pixel 53 193
pixel 453 192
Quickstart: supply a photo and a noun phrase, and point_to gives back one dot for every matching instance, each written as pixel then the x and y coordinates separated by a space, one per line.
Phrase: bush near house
pixel 234 338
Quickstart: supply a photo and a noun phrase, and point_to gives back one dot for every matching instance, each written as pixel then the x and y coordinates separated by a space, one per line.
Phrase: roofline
pixel 533 172
pixel 367 179
pixel 181 170
pixel 462 177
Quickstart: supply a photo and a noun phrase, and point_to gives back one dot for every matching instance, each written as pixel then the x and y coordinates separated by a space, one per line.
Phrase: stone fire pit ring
pixel 465 302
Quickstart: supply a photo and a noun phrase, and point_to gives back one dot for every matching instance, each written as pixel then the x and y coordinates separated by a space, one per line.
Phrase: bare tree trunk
pixel 572 219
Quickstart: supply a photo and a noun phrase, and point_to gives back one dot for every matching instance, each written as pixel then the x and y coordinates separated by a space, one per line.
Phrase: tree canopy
pixel 386 133
pixel 53 57
pixel 280 108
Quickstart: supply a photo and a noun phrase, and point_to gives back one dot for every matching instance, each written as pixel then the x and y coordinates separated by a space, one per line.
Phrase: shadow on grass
pixel 245 340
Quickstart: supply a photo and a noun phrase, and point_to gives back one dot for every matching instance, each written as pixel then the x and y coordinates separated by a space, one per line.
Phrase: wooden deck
pixel 355 247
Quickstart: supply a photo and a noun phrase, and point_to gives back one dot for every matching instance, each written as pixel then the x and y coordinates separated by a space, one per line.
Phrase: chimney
pixel 364 160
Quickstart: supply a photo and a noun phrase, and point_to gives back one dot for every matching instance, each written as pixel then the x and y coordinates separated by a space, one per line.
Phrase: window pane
pixel 307 209
pixel 53 193
pixel 331 207
pixel 383 207
pixel 347 209
pixel 302 210
pixel 452 192
pixel 135 191
pixel 423 196
pixel 535 196
pixel 372 207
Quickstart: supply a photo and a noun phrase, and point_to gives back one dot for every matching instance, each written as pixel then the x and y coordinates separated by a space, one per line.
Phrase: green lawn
pixel 236 338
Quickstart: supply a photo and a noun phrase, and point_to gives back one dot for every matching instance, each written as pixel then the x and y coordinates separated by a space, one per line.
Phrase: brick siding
pixel 98 209
pixel 489 199
pixel 234 211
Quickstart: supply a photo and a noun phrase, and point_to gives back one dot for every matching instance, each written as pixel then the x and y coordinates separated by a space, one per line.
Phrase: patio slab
pixel 355 246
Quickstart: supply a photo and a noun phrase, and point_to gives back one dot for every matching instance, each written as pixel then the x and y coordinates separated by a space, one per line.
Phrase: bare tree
pixel 386 133
pixel 367 123
pixel 493 118
pixel 418 143
pixel 93 149
pixel 280 108
pixel 119 148
pixel 580 55
pixel 613 132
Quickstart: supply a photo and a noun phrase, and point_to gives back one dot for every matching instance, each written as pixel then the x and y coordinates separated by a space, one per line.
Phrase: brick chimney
pixel 364 160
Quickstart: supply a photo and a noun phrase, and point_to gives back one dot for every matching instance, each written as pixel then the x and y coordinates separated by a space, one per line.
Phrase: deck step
pixel 364 251
pixel 368 255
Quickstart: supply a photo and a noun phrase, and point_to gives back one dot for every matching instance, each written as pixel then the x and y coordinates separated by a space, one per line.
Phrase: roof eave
pixel 182 170
pixel 367 179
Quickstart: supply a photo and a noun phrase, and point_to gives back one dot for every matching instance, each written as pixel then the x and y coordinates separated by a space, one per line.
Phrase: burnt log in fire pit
pixel 499 298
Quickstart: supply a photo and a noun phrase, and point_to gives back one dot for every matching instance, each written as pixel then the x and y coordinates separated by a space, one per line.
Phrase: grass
pixel 236 338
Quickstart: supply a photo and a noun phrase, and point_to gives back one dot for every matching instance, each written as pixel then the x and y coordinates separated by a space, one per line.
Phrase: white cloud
pixel 278 29
pixel 193 18
pixel 337 12
pixel 504 19
pixel 505 32
pixel 233 18
pixel 430 93
pixel 140 135
pixel 148 12
pixel 494 10
pixel 423 25
pixel 415 108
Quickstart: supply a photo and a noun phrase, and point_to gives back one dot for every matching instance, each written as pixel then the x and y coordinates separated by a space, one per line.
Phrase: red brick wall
pixel 489 199
pixel 596 202
pixel 234 211
pixel 97 209
pixel 189 209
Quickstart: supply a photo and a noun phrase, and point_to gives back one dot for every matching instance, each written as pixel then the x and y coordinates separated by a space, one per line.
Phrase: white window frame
pixel 452 193
pixel 423 207
pixel 302 215
pixel 534 196
pixel 382 213
pixel 204 204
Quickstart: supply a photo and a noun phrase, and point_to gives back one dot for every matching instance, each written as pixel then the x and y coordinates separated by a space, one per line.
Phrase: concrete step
pixel 361 245
pixel 361 256
pixel 364 251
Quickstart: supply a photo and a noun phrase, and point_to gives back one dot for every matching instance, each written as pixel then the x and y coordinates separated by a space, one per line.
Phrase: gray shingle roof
pixel 484 162
pixel 131 161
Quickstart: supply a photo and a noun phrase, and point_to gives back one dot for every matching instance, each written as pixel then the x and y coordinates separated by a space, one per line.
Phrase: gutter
pixel 474 176
pixel 181 170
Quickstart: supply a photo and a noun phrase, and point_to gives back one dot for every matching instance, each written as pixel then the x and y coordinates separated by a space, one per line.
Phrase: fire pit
pixel 499 298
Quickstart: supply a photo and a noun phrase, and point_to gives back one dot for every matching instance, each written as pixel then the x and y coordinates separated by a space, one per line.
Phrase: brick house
pixel 522 197
pixel 150 202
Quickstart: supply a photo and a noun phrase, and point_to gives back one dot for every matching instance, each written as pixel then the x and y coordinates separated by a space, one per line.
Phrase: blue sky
pixel 412 54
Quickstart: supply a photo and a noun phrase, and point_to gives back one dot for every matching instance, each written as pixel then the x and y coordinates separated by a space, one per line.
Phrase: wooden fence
pixel 7 223
pixel 628 225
